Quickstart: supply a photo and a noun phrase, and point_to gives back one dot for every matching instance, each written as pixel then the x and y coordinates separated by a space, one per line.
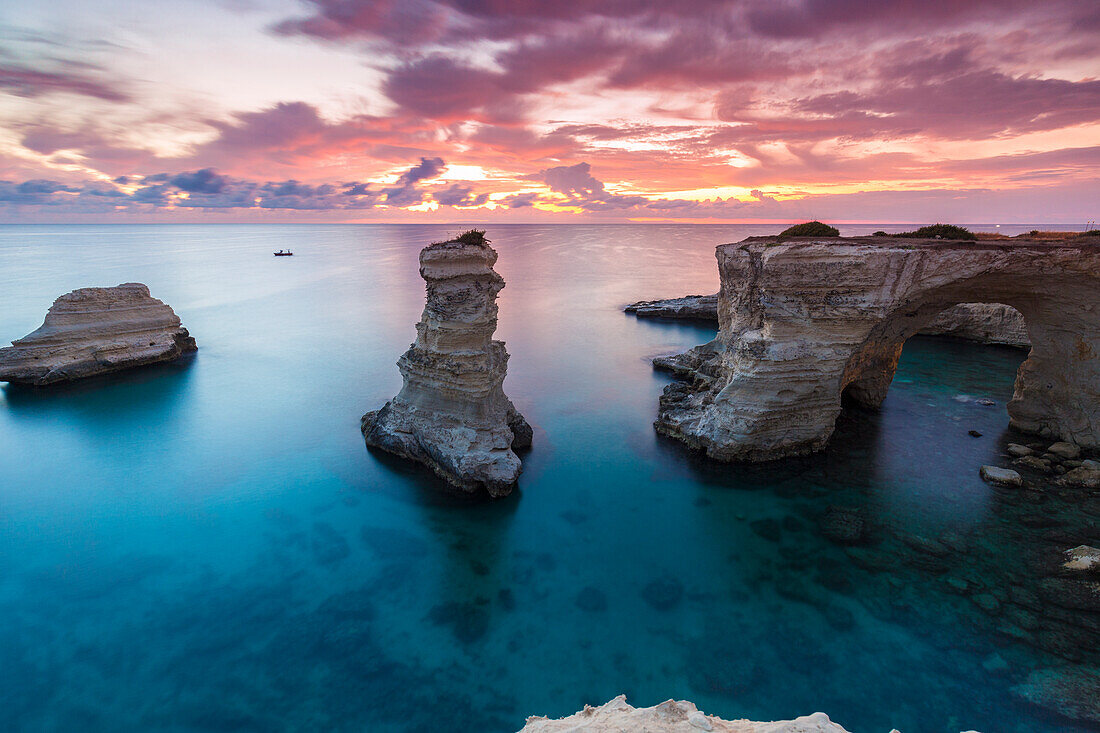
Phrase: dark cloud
pixel 406 192
pixel 582 189
pixel 575 181
pixel 459 195
pixel 202 181
pixel 520 200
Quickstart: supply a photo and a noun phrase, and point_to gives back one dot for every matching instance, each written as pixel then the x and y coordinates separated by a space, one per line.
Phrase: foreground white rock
pixel 452 414
pixel 672 716
pixel 93 331
pixel 803 321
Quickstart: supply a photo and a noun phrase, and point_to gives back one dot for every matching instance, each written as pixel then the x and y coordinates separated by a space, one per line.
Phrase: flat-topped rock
pixel 1001 476
pixel 689 307
pixel 93 331
pixel 452 414
pixel 805 320
pixel 671 716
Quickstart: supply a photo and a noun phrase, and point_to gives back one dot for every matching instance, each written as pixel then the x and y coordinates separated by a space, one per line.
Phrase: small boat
pixel 284 253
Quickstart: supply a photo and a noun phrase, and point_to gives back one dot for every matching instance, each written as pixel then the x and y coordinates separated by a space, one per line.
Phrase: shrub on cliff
pixel 943 231
pixel 810 229
pixel 472 236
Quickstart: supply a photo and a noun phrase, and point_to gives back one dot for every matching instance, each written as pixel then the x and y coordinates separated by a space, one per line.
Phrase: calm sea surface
pixel 208 545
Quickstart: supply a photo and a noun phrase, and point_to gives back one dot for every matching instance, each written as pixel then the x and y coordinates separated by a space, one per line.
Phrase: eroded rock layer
pixel 986 323
pixel 672 716
pixel 452 414
pixel 96 330
pixel 803 321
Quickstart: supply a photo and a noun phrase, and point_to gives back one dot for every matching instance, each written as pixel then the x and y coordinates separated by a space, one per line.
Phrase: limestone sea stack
pixel 452 414
pixel 92 331
pixel 672 716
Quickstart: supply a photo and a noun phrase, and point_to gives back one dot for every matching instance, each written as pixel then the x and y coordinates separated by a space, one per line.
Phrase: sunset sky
pixel 530 111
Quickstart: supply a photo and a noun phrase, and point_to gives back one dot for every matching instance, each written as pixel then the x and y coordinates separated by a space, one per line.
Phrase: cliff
pixel 986 323
pixel 452 414
pixel 804 321
pixel 92 331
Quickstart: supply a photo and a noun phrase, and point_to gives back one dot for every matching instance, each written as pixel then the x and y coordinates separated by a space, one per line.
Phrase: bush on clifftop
pixel 472 236
pixel 810 229
pixel 943 231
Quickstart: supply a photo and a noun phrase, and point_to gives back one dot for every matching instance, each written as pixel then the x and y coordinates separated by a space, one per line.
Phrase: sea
pixel 208 545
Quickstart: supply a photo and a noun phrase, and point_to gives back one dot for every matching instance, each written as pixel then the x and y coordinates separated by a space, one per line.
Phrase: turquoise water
pixel 208 546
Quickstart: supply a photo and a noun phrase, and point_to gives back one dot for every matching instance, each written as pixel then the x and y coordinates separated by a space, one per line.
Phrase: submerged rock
pixel 452 414
pixel 1072 691
pixel 844 525
pixel 93 331
pixel 671 716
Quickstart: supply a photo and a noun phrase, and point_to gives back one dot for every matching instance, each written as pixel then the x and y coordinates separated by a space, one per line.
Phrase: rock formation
pixel 452 414
pixel 802 322
pixel 671 716
pixel 986 323
pixel 689 307
pixel 93 331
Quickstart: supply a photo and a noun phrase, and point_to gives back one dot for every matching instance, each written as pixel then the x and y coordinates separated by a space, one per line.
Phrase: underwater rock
pixel 805 323
pixel 1071 593
pixel 663 594
pixel 1001 476
pixel 1017 450
pixel 1072 691
pixel 844 525
pixel 93 331
pixel 452 414
pixel 671 716
pixel 591 599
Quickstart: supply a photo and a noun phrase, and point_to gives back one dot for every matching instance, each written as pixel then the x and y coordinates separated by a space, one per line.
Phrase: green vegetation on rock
pixel 810 229
pixel 941 231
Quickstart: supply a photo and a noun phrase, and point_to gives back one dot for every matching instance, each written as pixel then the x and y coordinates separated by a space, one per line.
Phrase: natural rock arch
pixel 803 320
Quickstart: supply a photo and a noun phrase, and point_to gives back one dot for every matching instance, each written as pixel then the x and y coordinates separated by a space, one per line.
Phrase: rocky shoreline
pixel 94 331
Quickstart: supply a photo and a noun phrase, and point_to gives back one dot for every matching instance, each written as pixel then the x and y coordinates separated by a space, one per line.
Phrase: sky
pixel 550 111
